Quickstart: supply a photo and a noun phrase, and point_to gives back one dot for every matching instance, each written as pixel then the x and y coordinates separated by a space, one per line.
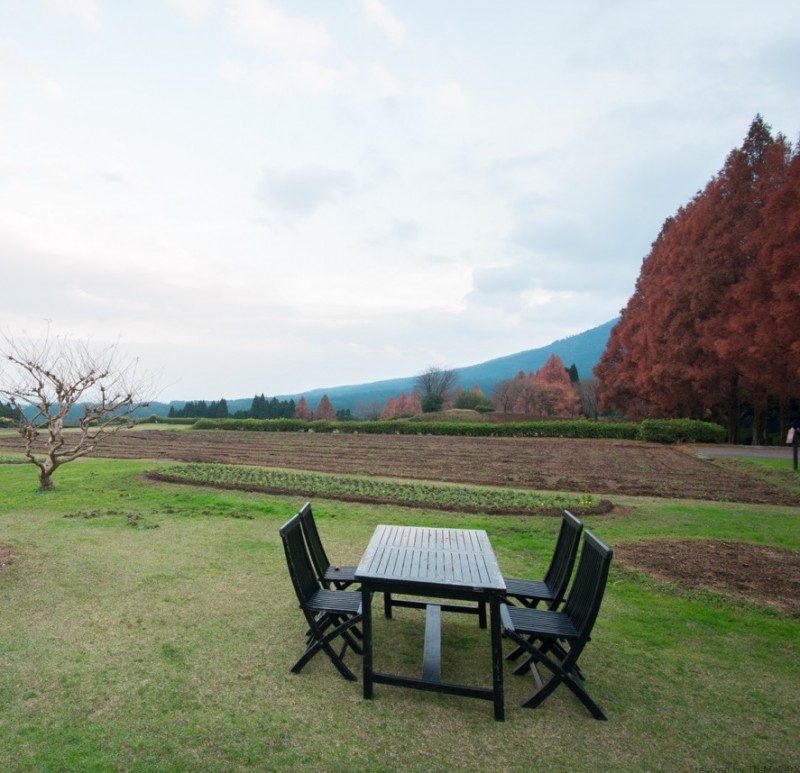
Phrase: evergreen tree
pixel 258 408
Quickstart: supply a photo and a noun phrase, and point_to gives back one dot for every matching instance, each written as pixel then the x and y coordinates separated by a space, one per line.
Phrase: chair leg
pixel 331 653
pixel 574 684
pixel 571 675
pixel 319 640
pixel 355 630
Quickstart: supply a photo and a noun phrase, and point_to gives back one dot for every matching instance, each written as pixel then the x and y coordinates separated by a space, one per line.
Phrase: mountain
pixel 583 350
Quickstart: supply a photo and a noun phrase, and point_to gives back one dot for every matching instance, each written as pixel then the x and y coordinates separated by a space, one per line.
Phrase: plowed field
pixel 601 467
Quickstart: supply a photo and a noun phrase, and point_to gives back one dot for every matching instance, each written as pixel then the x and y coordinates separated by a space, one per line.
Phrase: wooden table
pixel 437 564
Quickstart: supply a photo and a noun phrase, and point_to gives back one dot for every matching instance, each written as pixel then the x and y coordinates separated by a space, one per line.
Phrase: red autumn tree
pixel 324 410
pixel 680 348
pixel 404 405
pixel 389 408
pixel 301 410
pixel 764 309
pixel 548 392
pixel 415 402
pixel 557 395
pixel 504 395
pixel 401 406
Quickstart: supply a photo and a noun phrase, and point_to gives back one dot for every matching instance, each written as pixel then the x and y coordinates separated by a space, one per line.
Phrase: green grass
pixel 778 472
pixel 150 627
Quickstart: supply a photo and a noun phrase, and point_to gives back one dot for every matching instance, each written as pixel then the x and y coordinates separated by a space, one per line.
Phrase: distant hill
pixel 583 350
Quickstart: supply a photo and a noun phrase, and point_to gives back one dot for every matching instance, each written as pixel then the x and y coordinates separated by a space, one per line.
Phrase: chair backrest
pixel 315 547
pixel 300 569
pixel 560 570
pixel 586 593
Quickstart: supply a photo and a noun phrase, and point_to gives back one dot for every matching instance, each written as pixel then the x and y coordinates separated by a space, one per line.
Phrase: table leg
pixel 497 659
pixel 366 643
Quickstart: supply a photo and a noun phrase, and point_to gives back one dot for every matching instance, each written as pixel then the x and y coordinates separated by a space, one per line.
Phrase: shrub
pixel 156 419
pixel 652 430
pixel 432 403
pixel 473 400
pixel 681 431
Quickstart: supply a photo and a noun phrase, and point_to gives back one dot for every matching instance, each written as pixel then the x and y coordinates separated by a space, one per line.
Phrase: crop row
pixel 442 496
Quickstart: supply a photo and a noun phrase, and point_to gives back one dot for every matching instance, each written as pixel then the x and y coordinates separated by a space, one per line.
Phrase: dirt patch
pixel 605 467
pixel 6 557
pixel 764 575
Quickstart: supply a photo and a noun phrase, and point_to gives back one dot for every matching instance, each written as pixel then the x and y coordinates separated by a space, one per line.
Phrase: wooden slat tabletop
pixel 423 556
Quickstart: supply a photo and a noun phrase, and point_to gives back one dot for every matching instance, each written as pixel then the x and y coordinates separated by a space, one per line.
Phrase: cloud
pixel 444 186
pixel 449 97
pixel 196 9
pixel 86 10
pixel 379 15
pixel 283 77
pixel 500 281
pixel 269 25
pixel 405 230
pixel 303 191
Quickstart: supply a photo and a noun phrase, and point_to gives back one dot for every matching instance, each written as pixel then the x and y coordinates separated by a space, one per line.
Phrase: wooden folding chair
pixel 330 614
pixel 555 639
pixel 328 574
pixel 551 589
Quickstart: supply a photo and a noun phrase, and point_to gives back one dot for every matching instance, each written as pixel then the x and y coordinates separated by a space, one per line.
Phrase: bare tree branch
pixel 434 385
pixel 56 381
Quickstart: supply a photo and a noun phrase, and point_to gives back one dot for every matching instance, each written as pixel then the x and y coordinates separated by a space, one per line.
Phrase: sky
pixel 269 197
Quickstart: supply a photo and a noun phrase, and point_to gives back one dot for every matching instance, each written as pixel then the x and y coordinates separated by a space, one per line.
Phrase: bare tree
pixel 434 385
pixel 368 411
pixel 587 393
pixel 54 380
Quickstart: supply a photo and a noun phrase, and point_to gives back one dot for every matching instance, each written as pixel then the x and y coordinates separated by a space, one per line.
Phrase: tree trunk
pixel 45 480
pixel 733 411
pixel 759 416
pixel 783 415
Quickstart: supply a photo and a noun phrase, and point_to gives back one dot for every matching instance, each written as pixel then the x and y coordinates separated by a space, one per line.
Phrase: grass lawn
pixel 150 627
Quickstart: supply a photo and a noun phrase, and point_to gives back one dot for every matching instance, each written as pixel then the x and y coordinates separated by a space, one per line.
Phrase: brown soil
pixel 5 556
pixel 765 575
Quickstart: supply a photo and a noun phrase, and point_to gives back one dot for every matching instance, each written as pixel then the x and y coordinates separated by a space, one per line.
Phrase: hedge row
pixel 652 430
pixel 156 419
pixel 681 431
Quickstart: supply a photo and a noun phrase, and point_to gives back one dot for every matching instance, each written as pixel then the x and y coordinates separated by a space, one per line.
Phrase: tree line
pixel 260 408
pixel 712 329
pixel 553 390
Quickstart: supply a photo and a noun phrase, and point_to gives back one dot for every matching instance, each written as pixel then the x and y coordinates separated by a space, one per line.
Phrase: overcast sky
pixel 257 196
